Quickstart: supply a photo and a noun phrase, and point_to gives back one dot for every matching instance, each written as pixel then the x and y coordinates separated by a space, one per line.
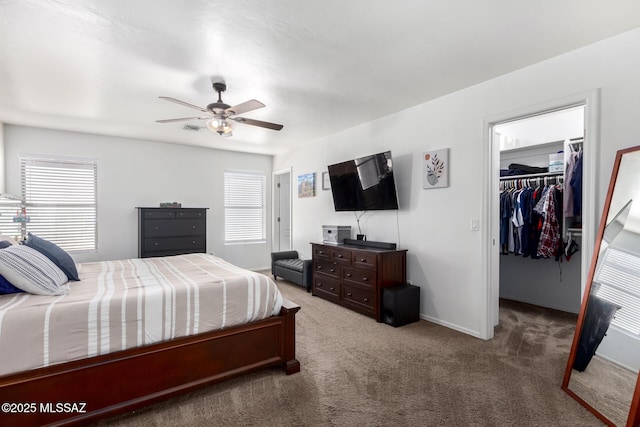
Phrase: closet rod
pixel 531 175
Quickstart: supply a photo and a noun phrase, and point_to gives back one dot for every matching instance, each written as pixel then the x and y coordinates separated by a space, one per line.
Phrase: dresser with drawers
pixel 171 231
pixel 354 276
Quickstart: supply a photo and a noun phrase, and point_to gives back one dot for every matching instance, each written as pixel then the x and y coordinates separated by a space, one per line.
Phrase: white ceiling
pixel 319 66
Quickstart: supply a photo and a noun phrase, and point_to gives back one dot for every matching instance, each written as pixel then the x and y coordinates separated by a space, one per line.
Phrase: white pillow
pixel 29 270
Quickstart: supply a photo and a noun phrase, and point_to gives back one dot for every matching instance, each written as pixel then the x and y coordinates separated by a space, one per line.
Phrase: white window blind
pixel 244 207
pixel 60 198
pixel 618 276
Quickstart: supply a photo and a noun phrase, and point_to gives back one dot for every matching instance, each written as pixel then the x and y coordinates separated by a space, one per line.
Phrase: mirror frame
pixel 633 419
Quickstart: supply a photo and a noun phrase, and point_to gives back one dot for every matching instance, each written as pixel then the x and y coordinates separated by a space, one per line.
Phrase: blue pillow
pixel 7 288
pixel 5 244
pixel 56 254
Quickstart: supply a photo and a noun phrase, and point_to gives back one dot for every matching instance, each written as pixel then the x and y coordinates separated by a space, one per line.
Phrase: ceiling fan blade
pixel 252 122
pixel 181 119
pixel 244 107
pixel 186 104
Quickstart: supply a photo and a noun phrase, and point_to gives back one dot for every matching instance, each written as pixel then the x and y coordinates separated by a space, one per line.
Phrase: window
pixel 60 199
pixel 616 280
pixel 244 207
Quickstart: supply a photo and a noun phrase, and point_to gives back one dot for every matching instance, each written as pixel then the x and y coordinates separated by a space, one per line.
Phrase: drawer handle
pixel 366 300
pixel 365 279
pixel 339 256
pixel 349 275
pixel 333 270
pixel 193 241
pixel 156 228
pixel 363 260
pixel 319 267
pixel 331 289
pixel 319 285
pixel 156 244
pixel 321 252
pixel 193 226
pixel 348 294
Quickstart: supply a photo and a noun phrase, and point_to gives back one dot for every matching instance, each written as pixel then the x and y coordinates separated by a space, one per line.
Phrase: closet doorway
pixel 525 139
pixel 540 208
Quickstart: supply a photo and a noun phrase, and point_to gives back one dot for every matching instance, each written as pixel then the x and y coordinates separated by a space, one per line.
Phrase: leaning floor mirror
pixel 603 365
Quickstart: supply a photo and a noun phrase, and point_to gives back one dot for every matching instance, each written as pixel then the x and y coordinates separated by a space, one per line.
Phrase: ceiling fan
pixel 218 114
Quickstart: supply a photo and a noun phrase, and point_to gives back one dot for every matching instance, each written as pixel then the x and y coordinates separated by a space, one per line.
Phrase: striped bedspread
pixel 130 303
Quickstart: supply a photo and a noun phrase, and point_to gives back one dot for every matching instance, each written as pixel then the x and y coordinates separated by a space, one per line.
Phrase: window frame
pixel 57 214
pixel 231 202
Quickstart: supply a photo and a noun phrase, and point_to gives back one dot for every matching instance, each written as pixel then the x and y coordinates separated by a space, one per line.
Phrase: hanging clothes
pixel 551 237
pixel 576 186
pixel 572 205
pixel 531 220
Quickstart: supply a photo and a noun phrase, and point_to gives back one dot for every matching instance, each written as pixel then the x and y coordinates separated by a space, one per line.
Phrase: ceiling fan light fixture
pixel 220 126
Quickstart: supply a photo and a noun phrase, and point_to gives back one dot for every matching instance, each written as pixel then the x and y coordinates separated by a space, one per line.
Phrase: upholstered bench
pixel 289 266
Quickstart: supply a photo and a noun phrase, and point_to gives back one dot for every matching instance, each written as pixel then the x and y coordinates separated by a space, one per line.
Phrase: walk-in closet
pixel 540 208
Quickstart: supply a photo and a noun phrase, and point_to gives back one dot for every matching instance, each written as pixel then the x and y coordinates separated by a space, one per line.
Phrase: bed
pixel 133 332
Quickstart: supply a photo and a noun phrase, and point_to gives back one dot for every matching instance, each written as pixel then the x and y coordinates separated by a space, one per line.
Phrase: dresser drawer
pixel 326 288
pixel 328 267
pixel 321 252
pixel 177 243
pixel 357 297
pixel 158 213
pixel 363 259
pixel 190 213
pixel 173 227
pixel 359 275
pixel 340 255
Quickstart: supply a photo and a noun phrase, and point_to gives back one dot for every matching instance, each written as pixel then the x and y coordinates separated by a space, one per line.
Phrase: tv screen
pixel 364 184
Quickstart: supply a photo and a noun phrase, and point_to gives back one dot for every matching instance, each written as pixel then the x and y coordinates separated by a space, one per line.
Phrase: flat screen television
pixel 364 184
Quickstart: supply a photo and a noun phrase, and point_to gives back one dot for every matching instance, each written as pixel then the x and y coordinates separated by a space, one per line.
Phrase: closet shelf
pixel 574 231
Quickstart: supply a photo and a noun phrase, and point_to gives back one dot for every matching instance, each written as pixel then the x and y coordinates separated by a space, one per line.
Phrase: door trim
pixel 274 234
pixel 490 287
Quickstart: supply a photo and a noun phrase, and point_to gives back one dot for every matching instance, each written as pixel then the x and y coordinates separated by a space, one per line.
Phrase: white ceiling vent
pixel 193 128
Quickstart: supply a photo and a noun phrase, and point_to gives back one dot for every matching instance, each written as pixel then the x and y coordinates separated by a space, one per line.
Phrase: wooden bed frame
pixel 99 387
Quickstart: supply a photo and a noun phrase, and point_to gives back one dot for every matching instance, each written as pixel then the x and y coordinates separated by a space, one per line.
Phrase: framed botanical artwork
pixel 307 185
pixel 435 168
pixel 326 182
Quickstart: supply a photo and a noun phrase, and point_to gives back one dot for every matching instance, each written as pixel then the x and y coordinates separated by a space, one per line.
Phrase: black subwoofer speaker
pixel 400 305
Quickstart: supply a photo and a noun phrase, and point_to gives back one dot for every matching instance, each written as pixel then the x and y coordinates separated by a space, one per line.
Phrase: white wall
pixel 134 173
pixel 444 256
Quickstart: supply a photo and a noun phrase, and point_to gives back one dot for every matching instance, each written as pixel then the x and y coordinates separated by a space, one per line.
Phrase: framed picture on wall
pixel 435 168
pixel 307 185
pixel 326 182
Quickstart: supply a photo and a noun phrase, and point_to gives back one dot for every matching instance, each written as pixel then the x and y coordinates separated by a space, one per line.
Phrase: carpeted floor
pixel 357 372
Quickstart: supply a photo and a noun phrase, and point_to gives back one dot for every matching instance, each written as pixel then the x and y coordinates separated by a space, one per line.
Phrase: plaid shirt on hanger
pixel 550 236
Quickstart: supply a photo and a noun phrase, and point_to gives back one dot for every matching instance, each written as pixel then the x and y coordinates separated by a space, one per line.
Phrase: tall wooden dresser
pixel 354 276
pixel 171 231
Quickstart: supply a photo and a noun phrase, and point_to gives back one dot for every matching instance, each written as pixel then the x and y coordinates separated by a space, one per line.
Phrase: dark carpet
pixel 357 372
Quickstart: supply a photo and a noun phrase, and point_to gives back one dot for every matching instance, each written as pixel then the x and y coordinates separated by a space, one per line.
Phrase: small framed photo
pixel 326 182
pixel 435 169
pixel 307 185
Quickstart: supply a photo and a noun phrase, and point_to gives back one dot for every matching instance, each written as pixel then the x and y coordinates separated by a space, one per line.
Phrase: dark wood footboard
pixel 75 392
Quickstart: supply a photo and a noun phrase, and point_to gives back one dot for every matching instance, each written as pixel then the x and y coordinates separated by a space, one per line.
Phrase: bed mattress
pixel 130 303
